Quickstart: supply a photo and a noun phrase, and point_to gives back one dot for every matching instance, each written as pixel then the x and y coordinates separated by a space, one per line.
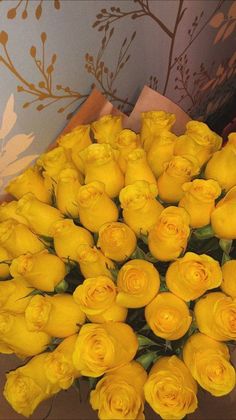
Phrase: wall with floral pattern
pixel 52 53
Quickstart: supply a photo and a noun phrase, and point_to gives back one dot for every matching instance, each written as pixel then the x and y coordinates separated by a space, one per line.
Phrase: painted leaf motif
pixel 232 10
pixel 220 33
pixel 208 84
pixel 14 147
pixel 230 29
pixel 217 20
pixel 18 165
pixel 9 118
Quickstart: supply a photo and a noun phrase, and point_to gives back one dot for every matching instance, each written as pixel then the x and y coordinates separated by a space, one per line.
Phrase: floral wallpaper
pixel 53 52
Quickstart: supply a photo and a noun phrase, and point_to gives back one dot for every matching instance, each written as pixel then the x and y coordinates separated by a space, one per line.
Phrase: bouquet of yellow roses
pixel 117 264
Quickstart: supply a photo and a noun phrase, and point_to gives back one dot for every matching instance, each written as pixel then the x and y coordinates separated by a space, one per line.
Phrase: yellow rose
pixel 8 211
pixel 140 207
pixel 161 151
pixel 126 141
pixel 53 162
pixel 27 386
pixel 228 284
pixel 15 334
pixel 118 396
pixel 58 365
pixel 170 389
pixel 117 241
pixel 138 168
pixel 40 216
pixel 57 315
pixel 14 295
pixel 191 276
pixel 222 166
pixel 92 262
pixel 177 171
pixel 100 160
pixel 107 128
pixel 75 141
pixel 95 206
pixel 138 283
pixel 5 349
pixel 95 295
pixel 152 123
pixel 208 362
pixel 29 181
pixel 216 316
pixel 17 239
pixel 115 313
pixel 199 200
pixel 223 217
pixel 42 270
pixel 169 237
pixel 104 347
pixel 4 267
pixel 67 237
pixel 66 192
pixel 168 316
pixel 199 141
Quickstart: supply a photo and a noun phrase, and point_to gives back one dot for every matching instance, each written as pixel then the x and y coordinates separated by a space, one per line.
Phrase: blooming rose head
pixel 107 128
pixel 92 200
pixel 140 207
pixel 208 362
pixel 228 284
pixel 58 315
pixel 152 124
pixel 16 335
pixel 161 151
pixel 117 396
pixel 66 192
pixel 138 168
pixel 17 239
pixel 199 200
pixel 92 262
pixel 75 141
pixel 192 275
pixel 199 141
pixel 177 171
pixel 170 389
pixel 59 366
pixel 104 347
pixel 168 316
pixel 4 266
pixel 8 211
pixel 100 160
pixel 15 295
pixel 67 237
pixel 216 316
pixel 126 141
pixel 223 217
pixel 52 162
pixel 42 270
pixel 27 386
pixel 40 216
pixel 168 238
pixel 222 166
pixel 29 181
pixel 117 241
pixel 138 283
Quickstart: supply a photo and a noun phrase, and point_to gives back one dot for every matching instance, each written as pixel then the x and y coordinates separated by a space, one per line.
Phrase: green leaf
pixel 147 359
pixel 225 258
pixel 204 232
pixel 149 257
pixel 61 287
pixel 138 254
pixel 143 238
pixel 226 245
